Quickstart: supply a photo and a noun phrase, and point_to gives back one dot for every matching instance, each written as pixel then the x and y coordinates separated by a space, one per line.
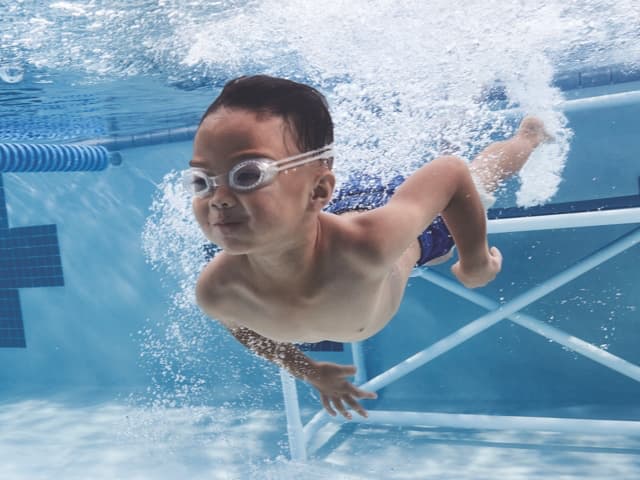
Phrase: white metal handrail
pixel 565 220
pixel 301 437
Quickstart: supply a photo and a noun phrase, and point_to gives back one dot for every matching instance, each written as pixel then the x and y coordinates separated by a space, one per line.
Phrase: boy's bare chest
pixel 335 309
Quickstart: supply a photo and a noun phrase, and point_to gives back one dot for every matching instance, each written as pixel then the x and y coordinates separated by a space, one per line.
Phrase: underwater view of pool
pixel 108 368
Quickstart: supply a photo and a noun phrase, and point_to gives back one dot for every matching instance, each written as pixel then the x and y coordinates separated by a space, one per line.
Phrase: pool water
pixel 109 369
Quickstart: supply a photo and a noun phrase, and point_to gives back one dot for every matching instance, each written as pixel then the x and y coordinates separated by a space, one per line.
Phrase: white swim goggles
pixel 250 174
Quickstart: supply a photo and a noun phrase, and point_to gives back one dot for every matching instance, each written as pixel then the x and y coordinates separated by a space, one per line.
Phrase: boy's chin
pixel 230 251
pixel 232 248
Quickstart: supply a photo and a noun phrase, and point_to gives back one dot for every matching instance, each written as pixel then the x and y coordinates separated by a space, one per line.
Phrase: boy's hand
pixel 482 273
pixel 335 390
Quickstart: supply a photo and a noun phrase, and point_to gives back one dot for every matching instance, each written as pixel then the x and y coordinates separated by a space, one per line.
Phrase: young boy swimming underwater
pixel 298 267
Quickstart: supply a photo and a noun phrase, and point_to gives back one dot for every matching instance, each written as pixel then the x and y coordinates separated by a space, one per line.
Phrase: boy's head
pixel 255 119
pixel 303 108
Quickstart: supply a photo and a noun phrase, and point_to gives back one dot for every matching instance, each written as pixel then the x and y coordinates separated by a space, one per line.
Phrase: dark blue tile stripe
pixel 596 77
pixel 34 230
pixel 11 327
pixel 577 79
pixel 321 347
pixel 4 223
pixel 29 257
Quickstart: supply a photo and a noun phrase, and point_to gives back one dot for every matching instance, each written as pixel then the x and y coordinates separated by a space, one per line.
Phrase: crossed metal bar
pixel 300 435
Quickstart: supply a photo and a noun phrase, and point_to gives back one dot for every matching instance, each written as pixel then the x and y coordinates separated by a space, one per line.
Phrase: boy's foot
pixel 532 129
pixel 501 160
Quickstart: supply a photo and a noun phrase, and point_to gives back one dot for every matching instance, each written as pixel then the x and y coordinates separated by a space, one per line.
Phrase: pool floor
pixel 45 439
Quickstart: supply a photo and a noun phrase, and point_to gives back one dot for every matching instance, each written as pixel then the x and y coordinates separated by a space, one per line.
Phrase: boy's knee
pixel 451 159
pixel 452 162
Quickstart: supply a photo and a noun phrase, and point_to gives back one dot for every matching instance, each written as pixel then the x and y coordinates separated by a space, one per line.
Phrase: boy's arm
pixel 328 378
pixel 285 355
pixel 443 186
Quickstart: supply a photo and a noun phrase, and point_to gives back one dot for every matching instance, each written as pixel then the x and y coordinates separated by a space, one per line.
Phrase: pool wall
pixel 85 332
pixel 82 334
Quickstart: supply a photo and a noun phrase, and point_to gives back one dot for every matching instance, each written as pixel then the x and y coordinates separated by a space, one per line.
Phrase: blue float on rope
pixel 39 157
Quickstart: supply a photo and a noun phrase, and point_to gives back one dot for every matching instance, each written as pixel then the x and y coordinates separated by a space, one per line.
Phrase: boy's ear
pixel 323 189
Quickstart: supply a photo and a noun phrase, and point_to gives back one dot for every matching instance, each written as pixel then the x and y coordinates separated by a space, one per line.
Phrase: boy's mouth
pixel 219 220
pixel 226 226
pixel 226 221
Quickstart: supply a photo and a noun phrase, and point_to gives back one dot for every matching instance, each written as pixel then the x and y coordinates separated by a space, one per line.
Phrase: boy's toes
pixel 533 129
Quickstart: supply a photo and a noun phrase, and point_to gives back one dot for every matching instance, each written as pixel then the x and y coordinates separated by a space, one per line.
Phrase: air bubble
pixel 11 73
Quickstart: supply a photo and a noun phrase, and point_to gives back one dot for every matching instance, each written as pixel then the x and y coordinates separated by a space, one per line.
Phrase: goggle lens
pixel 247 175
pixel 195 182
pixel 198 184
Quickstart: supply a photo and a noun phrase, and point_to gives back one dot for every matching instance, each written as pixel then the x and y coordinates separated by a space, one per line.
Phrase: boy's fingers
pixel 337 402
pixel 358 393
pixel 327 405
pixel 499 255
pixel 356 406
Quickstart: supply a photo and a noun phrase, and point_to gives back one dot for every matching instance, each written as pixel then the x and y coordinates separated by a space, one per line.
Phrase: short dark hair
pixel 303 107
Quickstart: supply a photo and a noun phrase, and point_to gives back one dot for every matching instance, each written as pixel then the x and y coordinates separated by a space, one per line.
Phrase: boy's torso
pixel 344 301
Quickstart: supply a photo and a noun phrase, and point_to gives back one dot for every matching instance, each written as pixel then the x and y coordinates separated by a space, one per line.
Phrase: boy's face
pixel 261 219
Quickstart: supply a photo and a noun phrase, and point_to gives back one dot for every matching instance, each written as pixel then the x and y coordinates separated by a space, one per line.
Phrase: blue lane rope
pixel 39 157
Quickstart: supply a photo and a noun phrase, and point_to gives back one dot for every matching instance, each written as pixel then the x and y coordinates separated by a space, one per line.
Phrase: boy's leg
pixel 501 160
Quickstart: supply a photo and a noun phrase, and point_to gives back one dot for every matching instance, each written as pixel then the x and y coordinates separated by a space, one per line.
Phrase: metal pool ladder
pixel 301 435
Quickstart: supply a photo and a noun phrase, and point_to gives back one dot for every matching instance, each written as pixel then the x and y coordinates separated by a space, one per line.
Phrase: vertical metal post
pixel 358 360
pixel 297 445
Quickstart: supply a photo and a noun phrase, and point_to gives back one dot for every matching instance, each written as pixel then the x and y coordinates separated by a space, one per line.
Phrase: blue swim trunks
pixel 366 192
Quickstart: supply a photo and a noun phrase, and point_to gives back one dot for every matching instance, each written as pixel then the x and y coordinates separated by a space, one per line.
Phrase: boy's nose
pixel 222 197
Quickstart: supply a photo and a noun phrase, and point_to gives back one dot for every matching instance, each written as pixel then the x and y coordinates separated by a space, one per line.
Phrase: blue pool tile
pixel 567 81
pixel 321 347
pixel 595 77
pixel 11 327
pixel 626 73
pixel 4 223
pixel 29 257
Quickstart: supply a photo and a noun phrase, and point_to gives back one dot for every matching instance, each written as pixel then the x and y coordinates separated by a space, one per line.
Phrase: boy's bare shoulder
pixel 358 236
pixel 212 287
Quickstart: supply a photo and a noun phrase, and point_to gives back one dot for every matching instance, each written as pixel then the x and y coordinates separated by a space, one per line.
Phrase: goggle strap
pixel 306 157
pixel 290 162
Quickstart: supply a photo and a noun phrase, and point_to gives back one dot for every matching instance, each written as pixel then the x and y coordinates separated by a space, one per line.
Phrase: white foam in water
pixel 171 220
pixel 541 175
pixel 11 73
pixel 405 82
pixel 173 245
